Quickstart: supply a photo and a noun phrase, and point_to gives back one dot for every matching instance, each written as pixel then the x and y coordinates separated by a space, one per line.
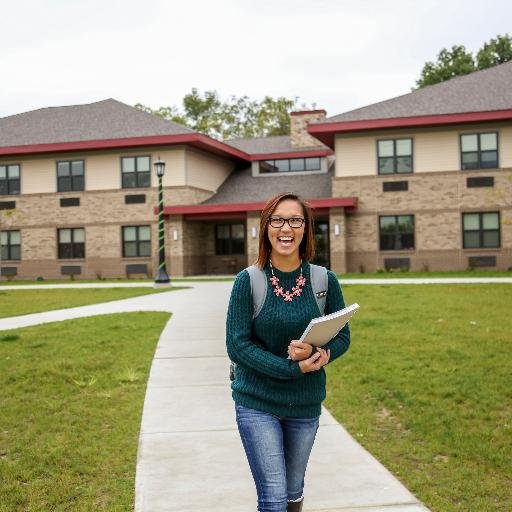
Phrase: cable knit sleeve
pixel 340 343
pixel 240 347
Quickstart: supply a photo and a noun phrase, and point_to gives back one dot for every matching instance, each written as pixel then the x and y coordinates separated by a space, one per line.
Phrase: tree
pixel 449 64
pixel 236 117
pixel 458 61
pixel 496 51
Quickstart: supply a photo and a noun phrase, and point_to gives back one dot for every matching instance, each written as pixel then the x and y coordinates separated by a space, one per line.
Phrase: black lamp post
pixel 161 277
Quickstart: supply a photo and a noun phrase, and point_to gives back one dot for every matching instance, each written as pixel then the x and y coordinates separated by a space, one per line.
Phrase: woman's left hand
pixel 299 351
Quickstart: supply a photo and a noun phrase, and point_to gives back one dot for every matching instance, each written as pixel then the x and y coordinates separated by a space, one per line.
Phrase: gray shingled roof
pixel 107 119
pixel 242 187
pixel 486 90
pixel 265 145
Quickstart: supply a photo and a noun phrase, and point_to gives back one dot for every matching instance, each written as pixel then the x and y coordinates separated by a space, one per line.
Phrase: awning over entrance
pixel 204 211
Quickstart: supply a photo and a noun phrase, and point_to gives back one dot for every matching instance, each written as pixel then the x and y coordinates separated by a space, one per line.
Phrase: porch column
pixel 253 222
pixel 338 240
pixel 176 251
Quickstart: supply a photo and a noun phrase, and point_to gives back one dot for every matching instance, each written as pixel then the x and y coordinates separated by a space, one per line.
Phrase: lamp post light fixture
pixel 161 278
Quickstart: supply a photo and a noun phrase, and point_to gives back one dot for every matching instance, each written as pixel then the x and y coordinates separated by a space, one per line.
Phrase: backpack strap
pixel 258 288
pixel 319 283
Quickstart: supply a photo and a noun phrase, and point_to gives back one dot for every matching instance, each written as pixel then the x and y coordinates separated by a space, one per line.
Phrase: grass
pixel 72 395
pixel 402 275
pixel 22 302
pixel 381 275
pixel 427 388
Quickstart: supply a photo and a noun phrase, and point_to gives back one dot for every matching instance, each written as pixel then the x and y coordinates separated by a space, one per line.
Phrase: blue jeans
pixel 277 449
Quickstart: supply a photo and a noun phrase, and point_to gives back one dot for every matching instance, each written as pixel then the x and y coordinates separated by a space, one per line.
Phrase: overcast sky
pixel 336 54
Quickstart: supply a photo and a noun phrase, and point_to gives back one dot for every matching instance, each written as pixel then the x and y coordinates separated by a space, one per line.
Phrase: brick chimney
pixel 300 138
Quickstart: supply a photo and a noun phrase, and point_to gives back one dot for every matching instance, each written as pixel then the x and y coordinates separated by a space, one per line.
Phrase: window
pixel 70 175
pixel 10 245
pixel 479 151
pixel 9 180
pixel 481 230
pixel 135 171
pixel 71 243
pixel 394 156
pixel 229 239
pixel 136 241
pixel 396 232
pixel 290 165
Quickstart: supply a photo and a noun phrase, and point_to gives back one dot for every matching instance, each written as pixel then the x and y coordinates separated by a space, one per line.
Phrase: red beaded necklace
pixel 287 295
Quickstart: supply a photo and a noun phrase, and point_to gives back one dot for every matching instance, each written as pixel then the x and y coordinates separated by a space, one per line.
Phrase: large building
pixel 422 181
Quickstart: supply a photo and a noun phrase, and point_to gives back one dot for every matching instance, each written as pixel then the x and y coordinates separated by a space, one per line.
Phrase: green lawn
pixel 427 388
pixel 401 275
pixel 72 395
pixel 22 302
pixel 466 273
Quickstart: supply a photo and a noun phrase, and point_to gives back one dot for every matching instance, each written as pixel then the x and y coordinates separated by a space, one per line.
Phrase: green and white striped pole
pixel 161 277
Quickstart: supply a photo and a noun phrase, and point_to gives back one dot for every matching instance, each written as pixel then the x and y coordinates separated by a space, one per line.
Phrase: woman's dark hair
pixel 307 245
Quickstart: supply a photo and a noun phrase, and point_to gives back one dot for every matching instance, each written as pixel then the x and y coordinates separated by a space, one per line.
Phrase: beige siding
pixel 434 150
pixel 205 171
pixel 355 156
pixel 38 176
pixel 505 146
pixel 103 169
pixel 174 159
pixel 103 172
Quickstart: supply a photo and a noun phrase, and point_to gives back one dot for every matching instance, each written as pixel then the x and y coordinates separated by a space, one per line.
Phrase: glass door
pixel 322 249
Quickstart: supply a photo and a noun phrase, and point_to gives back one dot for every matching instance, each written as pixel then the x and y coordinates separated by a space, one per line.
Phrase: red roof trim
pixel 335 202
pixel 326 131
pixel 291 154
pixel 301 112
pixel 194 139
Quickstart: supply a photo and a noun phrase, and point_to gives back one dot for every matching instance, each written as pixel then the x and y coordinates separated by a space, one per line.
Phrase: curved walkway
pixel 190 457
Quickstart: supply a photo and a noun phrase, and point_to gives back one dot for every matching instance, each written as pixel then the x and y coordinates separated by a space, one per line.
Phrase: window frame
pixel 70 176
pixel 136 172
pixel 10 245
pixel 479 151
pixel 76 254
pixel 395 172
pixel 304 170
pixel 397 232
pixel 138 241
pixel 9 180
pixel 230 239
pixel 481 231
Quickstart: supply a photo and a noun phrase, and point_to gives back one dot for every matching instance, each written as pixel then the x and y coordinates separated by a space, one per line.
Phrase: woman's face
pixel 286 240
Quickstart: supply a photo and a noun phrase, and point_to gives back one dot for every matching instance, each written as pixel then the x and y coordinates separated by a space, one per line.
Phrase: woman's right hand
pixel 316 361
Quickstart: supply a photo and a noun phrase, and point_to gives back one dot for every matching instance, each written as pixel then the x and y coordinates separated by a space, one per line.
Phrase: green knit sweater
pixel 265 379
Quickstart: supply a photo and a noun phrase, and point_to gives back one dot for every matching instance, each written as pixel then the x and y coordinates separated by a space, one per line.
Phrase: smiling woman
pixel 279 383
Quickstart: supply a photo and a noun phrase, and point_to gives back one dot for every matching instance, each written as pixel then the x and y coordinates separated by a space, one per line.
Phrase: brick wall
pixel 437 201
pixel 298 128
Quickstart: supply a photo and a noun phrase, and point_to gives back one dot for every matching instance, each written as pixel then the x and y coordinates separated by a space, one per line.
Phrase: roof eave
pixel 350 203
pixel 290 154
pixel 325 132
pixel 197 140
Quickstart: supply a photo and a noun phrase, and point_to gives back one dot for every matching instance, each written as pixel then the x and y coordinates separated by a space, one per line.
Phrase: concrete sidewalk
pixel 190 457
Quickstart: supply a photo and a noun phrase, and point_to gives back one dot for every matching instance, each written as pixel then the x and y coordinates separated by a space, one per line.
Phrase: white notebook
pixel 322 329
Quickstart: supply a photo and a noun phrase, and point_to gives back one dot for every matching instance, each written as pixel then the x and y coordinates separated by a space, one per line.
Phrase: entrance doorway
pixel 322 248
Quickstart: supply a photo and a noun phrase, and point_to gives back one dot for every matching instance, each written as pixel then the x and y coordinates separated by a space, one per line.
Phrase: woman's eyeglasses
pixel 294 222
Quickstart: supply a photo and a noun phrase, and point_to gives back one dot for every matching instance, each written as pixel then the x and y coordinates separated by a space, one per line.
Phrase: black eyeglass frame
pixel 281 222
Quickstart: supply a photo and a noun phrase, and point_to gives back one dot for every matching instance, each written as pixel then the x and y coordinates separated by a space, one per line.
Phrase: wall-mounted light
pixel 336 230
pixel 175 234
pixel 253 232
